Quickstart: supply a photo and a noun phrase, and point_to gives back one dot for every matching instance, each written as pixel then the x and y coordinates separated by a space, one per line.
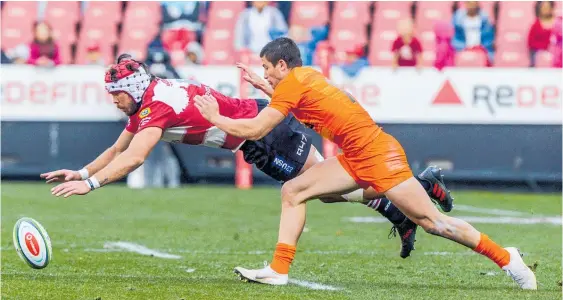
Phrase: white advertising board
pixel 453 96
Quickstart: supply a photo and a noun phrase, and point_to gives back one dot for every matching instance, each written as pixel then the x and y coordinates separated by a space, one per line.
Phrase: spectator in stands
pixel 181 14
pixel 194 53
pixel 43 50
pixel 5 59
pixel 94 56
pixel 445 52
pixel 307 40
pixel 181 23
pixel 19 54
pixel 541 31
pixel 159 63
pixel 256 25
pixel 557 43
pixel 473 30
pixel 356 60
pixel 407 51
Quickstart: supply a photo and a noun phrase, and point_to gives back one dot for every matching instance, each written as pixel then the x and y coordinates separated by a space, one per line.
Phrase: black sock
pixel 388 210
pixel 425 184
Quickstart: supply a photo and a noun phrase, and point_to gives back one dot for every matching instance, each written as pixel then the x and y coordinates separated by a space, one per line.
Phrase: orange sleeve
pixel 287 95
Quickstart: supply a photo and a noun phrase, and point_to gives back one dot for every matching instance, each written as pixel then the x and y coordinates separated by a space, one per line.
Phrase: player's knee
pixel 289 194
pixel 436 225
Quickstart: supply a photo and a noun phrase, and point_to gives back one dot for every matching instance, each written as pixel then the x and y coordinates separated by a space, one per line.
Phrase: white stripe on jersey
pixel 214 137
pixel 174 134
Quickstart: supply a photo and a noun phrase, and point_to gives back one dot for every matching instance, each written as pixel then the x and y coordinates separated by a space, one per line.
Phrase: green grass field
pixel 214 229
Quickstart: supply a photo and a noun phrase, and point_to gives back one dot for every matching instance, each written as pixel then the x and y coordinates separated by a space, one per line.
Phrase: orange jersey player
pixel 370 158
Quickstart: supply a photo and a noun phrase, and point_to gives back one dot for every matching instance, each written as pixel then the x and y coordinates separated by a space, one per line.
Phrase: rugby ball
pixel 32 243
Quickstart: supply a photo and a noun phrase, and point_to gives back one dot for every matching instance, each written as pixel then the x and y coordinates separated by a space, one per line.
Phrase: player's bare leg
pixel 412 200
pixel 324 178
pixel 377 201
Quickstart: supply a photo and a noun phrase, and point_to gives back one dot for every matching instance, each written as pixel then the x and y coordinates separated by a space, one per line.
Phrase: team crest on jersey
pixel 145 112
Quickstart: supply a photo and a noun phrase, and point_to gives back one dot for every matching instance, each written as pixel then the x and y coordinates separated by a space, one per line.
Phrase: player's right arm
pixel 99 163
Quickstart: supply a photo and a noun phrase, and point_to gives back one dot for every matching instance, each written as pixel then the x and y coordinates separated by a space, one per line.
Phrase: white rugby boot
pixel 519 271
pixel 265 275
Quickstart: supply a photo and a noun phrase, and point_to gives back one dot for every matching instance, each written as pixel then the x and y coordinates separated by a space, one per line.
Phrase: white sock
pixel 355 196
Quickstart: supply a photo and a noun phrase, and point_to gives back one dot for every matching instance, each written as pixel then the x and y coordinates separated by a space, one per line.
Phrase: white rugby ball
pixel 32 243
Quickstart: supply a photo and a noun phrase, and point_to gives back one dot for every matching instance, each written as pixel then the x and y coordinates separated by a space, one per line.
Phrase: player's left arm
pixel 129 160
pixel 249 129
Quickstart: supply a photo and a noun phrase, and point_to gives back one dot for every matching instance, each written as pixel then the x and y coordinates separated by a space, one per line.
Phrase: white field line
pixel 104 275
pixel 136 248
pixel 260 252
pixel 556 220
pixel 302 283
pixel 490 211
pixel 445 253
pixel 314 285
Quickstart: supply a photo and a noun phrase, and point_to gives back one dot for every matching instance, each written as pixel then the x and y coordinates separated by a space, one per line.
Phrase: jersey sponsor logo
pixel 145 112
pixel 286 167
pixel 301 147
pixel 144 122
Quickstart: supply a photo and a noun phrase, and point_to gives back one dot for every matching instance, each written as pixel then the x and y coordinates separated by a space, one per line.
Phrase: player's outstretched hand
pixel 61 176
pixel 250 76
pixel 70 188
pixel 255 80
pixel 207 106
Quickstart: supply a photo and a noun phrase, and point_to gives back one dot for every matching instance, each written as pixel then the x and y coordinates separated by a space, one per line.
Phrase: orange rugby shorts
pixel 382 164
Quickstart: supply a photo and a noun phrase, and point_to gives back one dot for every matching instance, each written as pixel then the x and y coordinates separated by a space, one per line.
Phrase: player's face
pixel 274 74
pixel 124 102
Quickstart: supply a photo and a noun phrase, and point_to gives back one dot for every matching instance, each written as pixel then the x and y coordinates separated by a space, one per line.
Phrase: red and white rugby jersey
pixel 168 104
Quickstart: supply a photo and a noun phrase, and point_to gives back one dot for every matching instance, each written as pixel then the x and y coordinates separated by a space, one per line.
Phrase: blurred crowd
pixel 351 35
pixel 358 34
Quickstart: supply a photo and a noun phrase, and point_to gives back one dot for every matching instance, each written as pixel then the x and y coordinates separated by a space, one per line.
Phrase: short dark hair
pixel 282 49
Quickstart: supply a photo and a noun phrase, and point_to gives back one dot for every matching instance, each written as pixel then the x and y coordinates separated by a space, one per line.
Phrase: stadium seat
pixel 24 11
pixel 65 53
pixel 470 59
pixel 105 49
pixel 309 13
pixel 512 40
pixel 135 41
pixel 516 15
pixel 105 36
pixel 380 47
pixel 544 59
pixel 387 14
pixel 63 16
pixel 219 57
pixel 102 14
pixel 429 12
pixel 17 26
pixel 428 58
pixel 558 8
pixel 218 46
pixel 218 39
pixel 341 39
pixel 427 40
pixel 143 12
pixel 62 13
pixel 224 14
pixel 15 33
pixel 506 59
pixel 356 13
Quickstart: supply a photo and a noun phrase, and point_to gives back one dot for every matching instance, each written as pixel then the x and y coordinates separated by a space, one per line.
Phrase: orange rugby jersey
pixel 331 112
